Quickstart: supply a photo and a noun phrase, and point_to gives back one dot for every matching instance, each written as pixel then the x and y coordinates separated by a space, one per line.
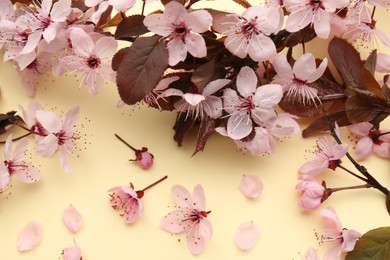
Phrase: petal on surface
pixel 30 236
pixel 239 126
pixel 246 82
pixel 71 118
pixel 363 148
pixel 174 222
pixel 72 218
pixel 195 242
pixel 196 45
pixel 214 86
pixel 251 186
pixel 181 196
pixel 199 21
pixel 28 174
pixel 247 235
pixel 105 47
pixel 199 199
pixel 72 253
pixel 205 229
pixel 49 120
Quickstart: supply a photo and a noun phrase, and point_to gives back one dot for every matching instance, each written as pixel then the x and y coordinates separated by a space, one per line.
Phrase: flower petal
pixel 239 126
pixel 81 42
pixel 246 82
pixel 47 146
pixel 72 218
pixel 177 51
pixel 214 86
pixel 157 24
pixel 382 149
pixel 30 236
pixel 8 148
pixel 49 120
pixel 105 47
pixel 181 196
pixel 251 186
pixel 199 21
pixel 247 235
pixel 195 241
pixel 196 45
pixel 28 174
pixel 360 129
pixel 72 253
pixel 173 222
pixel 363 148
pixel 199 198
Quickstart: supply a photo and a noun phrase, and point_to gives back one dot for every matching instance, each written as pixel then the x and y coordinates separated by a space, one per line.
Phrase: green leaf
pixel 141 68
pixel 373 245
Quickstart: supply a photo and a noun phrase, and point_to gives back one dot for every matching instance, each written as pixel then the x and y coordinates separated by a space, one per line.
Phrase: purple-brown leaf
pixel 118 58
pixel 141 68
pixel 182 125
pixel 206 129
pixel 131 27
pixel 322 123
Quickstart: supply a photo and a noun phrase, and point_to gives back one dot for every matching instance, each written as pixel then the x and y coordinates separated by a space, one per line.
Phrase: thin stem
pixel 29 130
pixel 352 173
pixel 364 186
pixel 126 143
pixel 373 12
pixel 370 179
pixel 385 133
pixel 123 15
pixel 143 7
pixel 18 138
pixel 155 183
pixel 303 47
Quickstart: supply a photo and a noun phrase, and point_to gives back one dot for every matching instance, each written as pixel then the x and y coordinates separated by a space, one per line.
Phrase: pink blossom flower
pixel 247 235
pixel 199 105
pixel 72 253
pixel 249 33
pixel 72 218
pixel 152 98
pixel 340 239
pixel 30 236
pixel 251 186
pixel 62 135
pixel 316 13
pixel 313 193
pixel 189 217
pixel 91 59
pixel 29 117
pixel 254 103
pixel 328 156
pixel 14 164
pixel 311 254
pixel 295 80
pixel 370 139
pixel 181 29
pixel 124 197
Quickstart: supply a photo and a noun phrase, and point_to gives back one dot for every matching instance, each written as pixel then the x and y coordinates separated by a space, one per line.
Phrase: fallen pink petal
pixel 251 186
pixel 247 235
pixel 30 236
pixel 72 253
pixel 72 219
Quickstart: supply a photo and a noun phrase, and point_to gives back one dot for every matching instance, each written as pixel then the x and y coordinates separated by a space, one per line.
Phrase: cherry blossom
pixel 72 253
pixel 14 164
pixel 181 29
pixel 251 186
pixel 247 235
pixel 370 140
pixel 340 239
pixel 62 135
pixel 199 105
pixel 124 197
pixel 316 13
pixel 328 156
pixel 30 236
pixel 313 192
pixel 72 218
pixel 152 98
pixel 190 216
pixel 248 34
pixel 91 59
pixel 254 103
pixel 30 119
pixel 295 80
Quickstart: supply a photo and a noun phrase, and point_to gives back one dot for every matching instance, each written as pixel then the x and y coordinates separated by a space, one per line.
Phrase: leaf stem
pixel 143 7
pixel 363 186
pixel 352 173
pixel 18 138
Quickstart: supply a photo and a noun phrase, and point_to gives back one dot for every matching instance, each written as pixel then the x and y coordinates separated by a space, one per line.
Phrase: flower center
pixel 316 4
pixel 93 62
pixel 374 135
pixel 249 28
pixel 180 30
pixel 246 105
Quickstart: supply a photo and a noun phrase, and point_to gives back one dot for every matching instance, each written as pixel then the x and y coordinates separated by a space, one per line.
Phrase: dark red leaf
pixel 204 74
pixel 118 57
pixel 8 119
pixel 141 68
pixel 206 129
pixel 369 85
pixel 386 89
pixel 105 19
pixel 370 62
pixel 322 123
pixel 305 35
pixel 181 127
pixel 346 60
pixel 131 27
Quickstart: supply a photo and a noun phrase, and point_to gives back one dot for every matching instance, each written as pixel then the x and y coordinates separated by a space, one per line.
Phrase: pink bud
pixel 144 158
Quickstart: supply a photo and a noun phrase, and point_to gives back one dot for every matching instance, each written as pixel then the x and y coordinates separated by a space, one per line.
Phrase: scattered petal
pixel 247 235
pixel 72 218
pixel 251 186
pixel 30 236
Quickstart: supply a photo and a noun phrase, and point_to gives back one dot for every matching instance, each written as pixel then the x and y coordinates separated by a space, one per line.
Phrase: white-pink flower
pixel 72 253
pixel 30 236
pixel 247 235
pixel 295 80
pixel 62 135
pixel 251 186
pixel 253 103
pixel 124 197
pixel 370 140
pixel 189 217
pixel 313 192
pixel 181 29
pixel 340 239
pixel 328 156
pixel 14 164
pixel 91 60
pixel 199 105
pixel 153 97
pixel 248 34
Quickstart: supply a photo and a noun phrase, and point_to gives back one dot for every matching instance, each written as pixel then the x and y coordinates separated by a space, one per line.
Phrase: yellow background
pixel 103 163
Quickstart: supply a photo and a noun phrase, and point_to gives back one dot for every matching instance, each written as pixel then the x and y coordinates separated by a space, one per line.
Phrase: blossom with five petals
pixel 189 217
pixel 254 103
pixel 249 33
pixel 14 164
pixel 62 135
pixel 341 240
pixel 295 80
pixel 181 29
pixel 313 192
